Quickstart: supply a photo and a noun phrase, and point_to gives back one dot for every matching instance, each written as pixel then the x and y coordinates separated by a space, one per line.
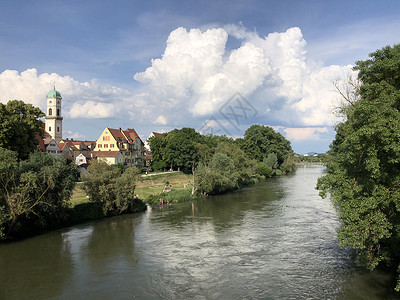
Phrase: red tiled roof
pixel 104 153
pixel 159 135
pixel 131 133
pixel 148 157
pixel 117 134
pixel 62 146
pixel 41 142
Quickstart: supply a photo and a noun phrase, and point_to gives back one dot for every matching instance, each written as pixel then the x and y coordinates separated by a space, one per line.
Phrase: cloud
pixel 197 74
pixel 305 133
pixel 74 135
pixel 80 99
pixel 92 110
pixel 161 120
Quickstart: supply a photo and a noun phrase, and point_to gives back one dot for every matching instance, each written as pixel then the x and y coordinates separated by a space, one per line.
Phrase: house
pixel 126 142
pixel 79 147
pixel 66 151
pixel 110 157
pixel 81 160
pixel 52 147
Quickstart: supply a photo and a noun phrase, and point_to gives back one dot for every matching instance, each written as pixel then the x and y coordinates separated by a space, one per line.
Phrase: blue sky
pixel 159 65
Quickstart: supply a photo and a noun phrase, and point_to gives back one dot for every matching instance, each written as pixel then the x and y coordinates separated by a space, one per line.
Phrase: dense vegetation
pixel 34 193
pixel 19 123
pixel 220 164
pixel 112 190
pixel 364 166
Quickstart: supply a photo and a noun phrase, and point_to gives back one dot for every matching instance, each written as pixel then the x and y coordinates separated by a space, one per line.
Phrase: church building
pixel 53 115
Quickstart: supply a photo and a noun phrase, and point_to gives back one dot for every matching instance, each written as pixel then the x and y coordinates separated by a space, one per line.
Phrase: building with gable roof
pixel 126 142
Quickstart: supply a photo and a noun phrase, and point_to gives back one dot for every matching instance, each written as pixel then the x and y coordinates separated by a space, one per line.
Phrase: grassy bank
pixel 177 187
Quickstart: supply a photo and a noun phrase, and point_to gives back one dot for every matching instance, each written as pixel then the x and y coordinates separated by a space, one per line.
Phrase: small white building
pixel 80 160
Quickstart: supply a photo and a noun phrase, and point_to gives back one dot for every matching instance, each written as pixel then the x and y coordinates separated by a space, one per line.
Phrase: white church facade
pixel 53 115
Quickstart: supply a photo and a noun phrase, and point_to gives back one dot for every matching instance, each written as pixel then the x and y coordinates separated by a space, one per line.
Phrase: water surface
pixel 274 240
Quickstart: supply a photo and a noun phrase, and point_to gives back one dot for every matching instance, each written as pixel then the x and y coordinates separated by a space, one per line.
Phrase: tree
pixel 217 177
pixel 19 123
pixel 112 191
pixel 363 171
pixel 259 141
pixel 34 192
pixel 180 150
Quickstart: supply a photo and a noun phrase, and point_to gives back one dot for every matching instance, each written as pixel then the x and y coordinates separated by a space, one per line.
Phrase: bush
pixel 112 191
pixel 264 170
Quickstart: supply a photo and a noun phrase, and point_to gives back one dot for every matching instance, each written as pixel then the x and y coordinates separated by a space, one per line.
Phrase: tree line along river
pixel 273 240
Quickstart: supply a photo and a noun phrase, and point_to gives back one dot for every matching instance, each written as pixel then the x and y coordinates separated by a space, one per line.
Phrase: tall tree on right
pixel 364 169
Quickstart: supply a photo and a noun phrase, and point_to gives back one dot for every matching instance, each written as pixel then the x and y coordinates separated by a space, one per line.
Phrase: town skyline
pixel 158 66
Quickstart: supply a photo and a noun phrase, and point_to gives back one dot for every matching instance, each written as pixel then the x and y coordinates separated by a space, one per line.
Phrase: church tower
pixel 53 115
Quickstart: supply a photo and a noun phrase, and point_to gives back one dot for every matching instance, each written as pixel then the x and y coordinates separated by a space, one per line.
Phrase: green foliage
pixel 264 170
pixel 218 177
pixel 271 160
pixel 158 165
pixel 172 196
pixel 176 149
pixel 363 170
pixel 34 192
pixel 180 150
pixel 111 190
pixel 289 165
pixel 259 141
pixel 19 122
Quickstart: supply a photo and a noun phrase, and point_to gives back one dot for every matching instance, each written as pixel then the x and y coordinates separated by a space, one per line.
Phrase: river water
pixel 274 240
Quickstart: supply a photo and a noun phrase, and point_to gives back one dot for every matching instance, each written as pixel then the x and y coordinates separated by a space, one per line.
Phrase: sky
pixel 215 66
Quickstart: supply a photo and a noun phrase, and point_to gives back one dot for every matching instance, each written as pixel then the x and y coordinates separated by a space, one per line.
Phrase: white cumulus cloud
pixel 304 133
pixel 197 74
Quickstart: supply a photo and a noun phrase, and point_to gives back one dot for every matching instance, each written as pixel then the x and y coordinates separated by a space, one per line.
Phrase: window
pixel 99 145
pixel 58 112
pixel 50 112
pixel 106 138
pixel 50 126
pixel 112 146
pixel 105 145
pixel 58 129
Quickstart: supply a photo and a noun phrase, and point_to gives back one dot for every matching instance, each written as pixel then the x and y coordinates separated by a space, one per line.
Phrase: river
pixel 273 240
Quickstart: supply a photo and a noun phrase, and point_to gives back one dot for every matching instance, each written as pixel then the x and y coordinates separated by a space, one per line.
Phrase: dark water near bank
pixel 275 240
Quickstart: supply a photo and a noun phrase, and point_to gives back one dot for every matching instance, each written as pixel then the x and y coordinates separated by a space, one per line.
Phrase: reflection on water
pixel 275 240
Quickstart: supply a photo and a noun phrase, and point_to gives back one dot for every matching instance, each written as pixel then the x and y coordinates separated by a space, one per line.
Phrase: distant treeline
pixel 220 164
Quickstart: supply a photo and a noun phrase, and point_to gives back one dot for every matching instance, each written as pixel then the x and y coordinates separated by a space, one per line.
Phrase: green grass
pixel 147 188
pixel 78 195
pixel 154 185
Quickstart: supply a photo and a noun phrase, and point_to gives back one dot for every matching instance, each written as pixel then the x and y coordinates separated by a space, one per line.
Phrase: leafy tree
pixel 34 192
pixel 244 167
pixel 363 171
pixel 289 164
pixel 259 141
pixel 19 123
pixel 157 145
pixel 218 176
pixel 111 190
pixel 180 150
pixel 271 160
pixel 264 169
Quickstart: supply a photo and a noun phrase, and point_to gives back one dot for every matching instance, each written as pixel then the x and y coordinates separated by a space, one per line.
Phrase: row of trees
pixel 219 163
pixel 364 162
